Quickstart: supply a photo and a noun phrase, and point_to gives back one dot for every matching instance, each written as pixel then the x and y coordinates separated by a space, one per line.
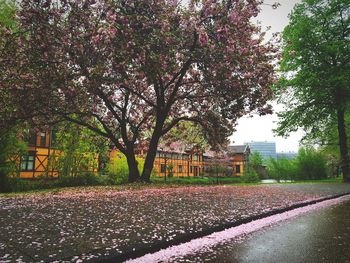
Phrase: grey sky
pixel 260 128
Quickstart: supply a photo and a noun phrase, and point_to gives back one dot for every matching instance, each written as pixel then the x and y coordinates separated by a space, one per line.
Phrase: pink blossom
pixel 243 50
pixel 112 31
pixel 234 17
pixel 111 16
pixel 203 38
pixel 247 75
pixel 95 39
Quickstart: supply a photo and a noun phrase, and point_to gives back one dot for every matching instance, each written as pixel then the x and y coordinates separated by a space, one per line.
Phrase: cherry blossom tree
pixel 132 70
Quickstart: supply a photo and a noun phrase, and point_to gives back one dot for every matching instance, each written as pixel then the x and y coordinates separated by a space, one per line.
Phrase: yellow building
pixel 179 161
pixel 239 155
pixel 173 160
pixel 41 158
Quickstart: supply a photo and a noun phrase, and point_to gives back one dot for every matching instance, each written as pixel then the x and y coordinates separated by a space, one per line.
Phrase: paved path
pixel 101 223
pixel 320 236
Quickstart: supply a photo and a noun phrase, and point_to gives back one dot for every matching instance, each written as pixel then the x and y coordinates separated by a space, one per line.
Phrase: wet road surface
pixel 320 236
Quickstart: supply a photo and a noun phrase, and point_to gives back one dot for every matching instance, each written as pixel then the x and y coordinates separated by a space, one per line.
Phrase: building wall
pixel 239 163
pixel 42 158
pixel 184 164
pixel 238 168
pixel 266 149
pixel 190 164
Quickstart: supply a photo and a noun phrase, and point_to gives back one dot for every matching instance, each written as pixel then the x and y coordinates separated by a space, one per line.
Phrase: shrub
pixel 256 162
pixel 119 170
pixel 311 165
pixel 281 169
pixel 308 165
pixel 81 180
pixel 23 185
pixel 10 146
pixel 250 175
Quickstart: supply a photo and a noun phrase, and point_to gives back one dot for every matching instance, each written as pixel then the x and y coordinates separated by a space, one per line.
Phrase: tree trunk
pixel 151 155
pixel 134 174
pixel 344 152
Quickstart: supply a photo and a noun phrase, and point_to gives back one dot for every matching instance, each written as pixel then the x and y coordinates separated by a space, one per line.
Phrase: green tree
pixel 315 67
pixel 10 147
pixel 79 147
pixel 7 14
pixel 256 163
pixel 311 165
pixel 255 159
pixel 250 175
pixel 281 169
pixel 137 66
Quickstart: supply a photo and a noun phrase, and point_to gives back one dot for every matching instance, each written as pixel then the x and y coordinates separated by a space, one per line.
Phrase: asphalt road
pixel 320 236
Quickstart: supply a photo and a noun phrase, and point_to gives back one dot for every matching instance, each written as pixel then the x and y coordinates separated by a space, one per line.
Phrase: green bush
pixel 308 165
pixel 256 162
pixel 250 176
pixel 311 165
pixel 10 146
pixel 281 169
pixel 119 170
pixel 23 185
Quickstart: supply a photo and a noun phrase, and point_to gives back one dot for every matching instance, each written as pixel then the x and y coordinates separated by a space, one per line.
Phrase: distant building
pixel 185 160
pixel 266 149
pixel 286 155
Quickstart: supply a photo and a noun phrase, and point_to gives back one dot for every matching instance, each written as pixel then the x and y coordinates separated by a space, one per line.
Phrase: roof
pixel 238 148
pixel 176 147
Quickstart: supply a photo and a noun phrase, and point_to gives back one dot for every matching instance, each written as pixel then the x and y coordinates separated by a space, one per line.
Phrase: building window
pixel 162 168
pixel 191 169
pixel 42 138
pixel 195 157
pixel 238 169
pixel 180 170
pixel 28 161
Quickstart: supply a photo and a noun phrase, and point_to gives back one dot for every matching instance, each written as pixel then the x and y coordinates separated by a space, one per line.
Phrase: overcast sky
pixel 260 128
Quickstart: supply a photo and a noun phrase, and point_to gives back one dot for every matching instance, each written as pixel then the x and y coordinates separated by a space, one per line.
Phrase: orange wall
pixel 186 164
pixel 45 158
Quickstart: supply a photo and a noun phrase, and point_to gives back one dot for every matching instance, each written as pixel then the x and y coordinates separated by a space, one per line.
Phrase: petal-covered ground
pixel 99 222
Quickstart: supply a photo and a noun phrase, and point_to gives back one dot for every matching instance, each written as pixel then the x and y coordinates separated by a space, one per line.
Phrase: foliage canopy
pixel 137 68
pixel 316 71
